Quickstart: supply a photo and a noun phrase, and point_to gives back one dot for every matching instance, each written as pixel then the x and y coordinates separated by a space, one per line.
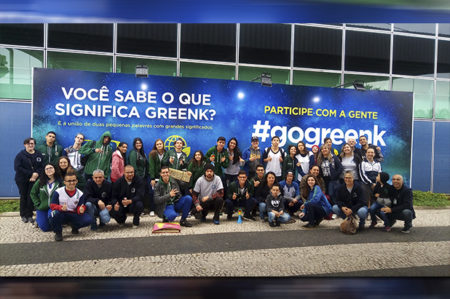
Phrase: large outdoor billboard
pixel 200 110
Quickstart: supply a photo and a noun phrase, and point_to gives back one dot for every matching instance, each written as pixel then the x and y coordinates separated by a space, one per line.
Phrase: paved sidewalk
pixel 207 249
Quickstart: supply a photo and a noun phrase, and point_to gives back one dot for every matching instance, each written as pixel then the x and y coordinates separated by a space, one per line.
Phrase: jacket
pixel 50 154
pixel 276 204
pixel 154 165
pixel 133 191
pixel 25 164
pixel 94 193
pixel 217 158
pixel 139 163
pixel 250 152
pixel 197 172
pixel 335 170
pixel 234 188
pixel 74 203
pixel 316 196
pixel 353 200
pixel 178 163
pixel 161 195
pixel 101 160
pixel 117 166
pixel 41 197
pixel 402 199
pixel 289 164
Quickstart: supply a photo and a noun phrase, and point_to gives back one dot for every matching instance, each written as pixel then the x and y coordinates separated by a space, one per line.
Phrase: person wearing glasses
pixel 28 165
pixel 68 206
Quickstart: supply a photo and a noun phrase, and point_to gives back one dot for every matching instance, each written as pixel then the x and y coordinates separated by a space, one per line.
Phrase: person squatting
pixel 90 183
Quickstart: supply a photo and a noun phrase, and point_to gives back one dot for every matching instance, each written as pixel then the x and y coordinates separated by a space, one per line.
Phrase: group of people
pixel 90 180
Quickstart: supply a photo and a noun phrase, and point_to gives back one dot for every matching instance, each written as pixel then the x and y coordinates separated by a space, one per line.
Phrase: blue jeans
pixel 58 218
pixel 262 210
pixel 375 210
pixel 93 211
pixel 183 205
pixel 362 213
pixel 283 218
pixel 42 220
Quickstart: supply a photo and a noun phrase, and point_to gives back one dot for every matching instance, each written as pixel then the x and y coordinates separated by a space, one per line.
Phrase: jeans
pixel 405 215
pixel 92 210
pixel 58 218
pixel 375 210
pixel 362 213
pixel 42 220
pixel 262 210
pixel 283 218
pixel 183 205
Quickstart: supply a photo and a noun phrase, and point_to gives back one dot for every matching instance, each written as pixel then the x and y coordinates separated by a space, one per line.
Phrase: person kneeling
pixel 168 200
pixel 127 195
pixel 67 206
pixel 275 207
pixel 316 207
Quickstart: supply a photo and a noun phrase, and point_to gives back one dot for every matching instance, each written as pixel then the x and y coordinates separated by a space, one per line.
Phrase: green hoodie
pixel 101 160
pixel 217 160
pixel 40 196
pixel 50 154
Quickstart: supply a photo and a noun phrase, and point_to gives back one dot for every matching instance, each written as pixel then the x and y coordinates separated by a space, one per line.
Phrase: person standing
pixel 99 155
pixel 139 161
pixel 50 149
pixel 252 157
pixel 73 153
pixel 155 158
pixel 118 161
pixel 218 156
pixel 273 157
pixel 28 164
pixel 234 166
pixel 303 158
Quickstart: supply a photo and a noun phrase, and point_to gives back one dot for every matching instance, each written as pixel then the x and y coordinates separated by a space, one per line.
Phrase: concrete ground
pixel 250 249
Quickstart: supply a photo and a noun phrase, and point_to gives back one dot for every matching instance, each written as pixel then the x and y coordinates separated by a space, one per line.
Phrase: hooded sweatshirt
pixel 50 154
pixel 101 160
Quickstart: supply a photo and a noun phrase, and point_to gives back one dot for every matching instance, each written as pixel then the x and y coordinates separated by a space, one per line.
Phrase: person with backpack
pixel 273 157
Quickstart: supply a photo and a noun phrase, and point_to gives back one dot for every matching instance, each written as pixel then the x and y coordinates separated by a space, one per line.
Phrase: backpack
pixel 348 226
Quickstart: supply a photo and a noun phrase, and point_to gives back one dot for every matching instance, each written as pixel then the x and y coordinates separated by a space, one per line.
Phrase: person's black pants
pixel 26 204
pixel 135 208
pixel 215 205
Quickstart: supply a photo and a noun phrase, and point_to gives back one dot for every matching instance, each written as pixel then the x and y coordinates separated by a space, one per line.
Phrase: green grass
pixel 9 206
pixel 428 199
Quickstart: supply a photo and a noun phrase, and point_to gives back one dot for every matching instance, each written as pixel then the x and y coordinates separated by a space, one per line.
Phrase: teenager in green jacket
pixel 41 195
pixel 139 161
pixel 176 158
pixel 218 156
pixel 290 161
pixel 50 149
pixel 197 168
pixel 99 155
pixel 155 160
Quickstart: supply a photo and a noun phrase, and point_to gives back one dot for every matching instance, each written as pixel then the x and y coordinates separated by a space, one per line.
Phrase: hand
pixel 223 159
pixel 181 162
pixel 281 159
pixel 269 159
pixel 190 190
pixel 298 164
pixel 109 207
pixel 302 207
pixel 347 211
pixel 387 210
pixel 101 205
pixel 301 215
pixel 173 192
pixel 199 208
pixel 291 204
pixel 64 207
pixel 125 202
pixel 189 173
pixel 377 195
pixel 212 158
pixel 81 209
pixel 252 158
pixel 280 213
pixel 234 196
pixel 98 150
pixel 247 195
pixel 116 207
pixel 378 148
pixel 153 183
pixel 171 159
pixel 205 198
pixel 35 176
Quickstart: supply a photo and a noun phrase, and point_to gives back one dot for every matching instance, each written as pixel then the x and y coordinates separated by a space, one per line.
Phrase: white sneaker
pixel 135 226
pixel 152 214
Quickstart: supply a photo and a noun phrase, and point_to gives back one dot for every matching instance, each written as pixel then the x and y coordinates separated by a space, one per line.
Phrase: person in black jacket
pixel 402 205
pixel 127 195
pixel 28 164
pixel 98 198
pixel 350 200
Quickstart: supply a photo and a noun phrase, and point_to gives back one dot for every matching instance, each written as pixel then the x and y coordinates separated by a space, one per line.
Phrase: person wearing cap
pixel 382 194
pixel 252 157
pixel 402 205
pixel 208 194
pixel 218 157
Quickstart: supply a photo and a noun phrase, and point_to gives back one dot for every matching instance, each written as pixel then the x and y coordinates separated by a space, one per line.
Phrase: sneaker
pixel 165 219
pixel 229 216
pixel 249 217
pixel 101 225
pixel 58 237
pixel 185 223
pixel 93 227
pixel 203 219
pixel 31 220
pixel 216 221
pixel 387 228
pixel 25 219
pixel 361 227
pixel 136 220
pixel 75 231
pixel 272 224
pixel 152 214
pixel 373 224
pixel 308 225
pixel 290 221
pixel 135 226
pixel 406 230
pixel 189 215
pixel 277 223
